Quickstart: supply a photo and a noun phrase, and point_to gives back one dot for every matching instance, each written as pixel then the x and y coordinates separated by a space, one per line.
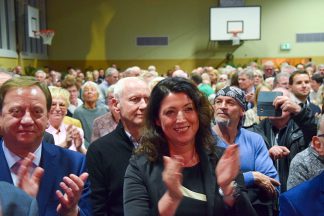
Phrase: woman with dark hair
pixel 177 170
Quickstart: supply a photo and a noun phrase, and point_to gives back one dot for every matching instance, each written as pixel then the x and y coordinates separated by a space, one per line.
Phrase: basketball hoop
pixel 235 38
pixel 47 36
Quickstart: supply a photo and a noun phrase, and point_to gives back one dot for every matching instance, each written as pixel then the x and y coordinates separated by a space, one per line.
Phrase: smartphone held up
pixel 265 105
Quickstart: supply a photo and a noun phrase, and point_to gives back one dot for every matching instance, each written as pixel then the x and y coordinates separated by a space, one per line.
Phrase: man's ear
pixel 242 112
pixel 116 104
pixel 316 144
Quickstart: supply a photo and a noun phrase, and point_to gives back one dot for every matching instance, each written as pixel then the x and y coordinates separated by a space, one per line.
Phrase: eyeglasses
pixel 320 135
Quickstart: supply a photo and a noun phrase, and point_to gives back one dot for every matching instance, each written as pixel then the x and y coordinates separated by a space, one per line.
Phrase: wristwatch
pixel 234 195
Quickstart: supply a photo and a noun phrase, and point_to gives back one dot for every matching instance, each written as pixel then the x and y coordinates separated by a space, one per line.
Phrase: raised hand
pixel 29 183
pixel 72 186
pixel 286 104
pixel 172 176
pixel 73 134
pixel 228 166
pixel 68 139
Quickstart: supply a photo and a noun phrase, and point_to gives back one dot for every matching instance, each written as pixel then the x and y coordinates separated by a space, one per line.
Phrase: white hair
pixel 120 85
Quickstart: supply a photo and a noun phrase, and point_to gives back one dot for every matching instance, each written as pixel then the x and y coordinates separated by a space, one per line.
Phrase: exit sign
pixel 285 46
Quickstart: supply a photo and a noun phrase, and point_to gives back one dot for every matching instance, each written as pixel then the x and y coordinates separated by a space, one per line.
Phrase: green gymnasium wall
pixel 98 33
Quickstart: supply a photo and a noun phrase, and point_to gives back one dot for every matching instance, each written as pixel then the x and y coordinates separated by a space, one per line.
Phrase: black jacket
pixel 107 160
pixel 296 137
pixel 144 187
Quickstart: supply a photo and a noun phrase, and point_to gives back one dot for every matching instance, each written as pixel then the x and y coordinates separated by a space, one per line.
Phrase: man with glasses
pixel 310 162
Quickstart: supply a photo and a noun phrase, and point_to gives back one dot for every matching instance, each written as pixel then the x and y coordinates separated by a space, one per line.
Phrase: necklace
pixel 193 161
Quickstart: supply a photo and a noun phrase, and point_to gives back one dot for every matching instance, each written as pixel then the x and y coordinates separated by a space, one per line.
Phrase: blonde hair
pixel 58 92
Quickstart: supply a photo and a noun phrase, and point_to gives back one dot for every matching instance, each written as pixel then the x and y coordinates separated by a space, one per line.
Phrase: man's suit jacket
pixel 48 138
pixel 107 160
pixel 315 109
pixel 15 202
pixel 304 199
pixel 57 163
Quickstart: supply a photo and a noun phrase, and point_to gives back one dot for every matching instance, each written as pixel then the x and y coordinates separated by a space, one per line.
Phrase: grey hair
pixel 90 84
pixel 110 89
pixel 278 76
pixel 109 71
pixel 120 85
pixel 40 72
pixel 249 72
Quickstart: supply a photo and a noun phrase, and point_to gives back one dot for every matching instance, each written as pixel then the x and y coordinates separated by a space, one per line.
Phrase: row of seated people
pixel 107 158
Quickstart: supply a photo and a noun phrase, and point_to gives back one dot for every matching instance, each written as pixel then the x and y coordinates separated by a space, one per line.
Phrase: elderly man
pixel 310 162
pixel 258 169
pixel 246 83
pixel 108 156
pixel 111 77
pixel 40 75
pixel 268 69
pixel 24 106
pixel 281 80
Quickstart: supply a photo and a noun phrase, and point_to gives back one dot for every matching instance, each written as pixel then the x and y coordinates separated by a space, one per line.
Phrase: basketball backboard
pixel 245 20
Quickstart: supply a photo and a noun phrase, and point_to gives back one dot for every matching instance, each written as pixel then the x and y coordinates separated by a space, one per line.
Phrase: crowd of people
pixel 139 142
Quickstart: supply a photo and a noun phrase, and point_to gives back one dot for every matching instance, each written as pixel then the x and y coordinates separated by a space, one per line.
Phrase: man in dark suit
pixel 108 156
pixel 24 106
pixel 306 199
pixel 15 202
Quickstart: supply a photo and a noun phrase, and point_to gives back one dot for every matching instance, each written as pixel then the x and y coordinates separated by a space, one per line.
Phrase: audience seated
pixel 285 138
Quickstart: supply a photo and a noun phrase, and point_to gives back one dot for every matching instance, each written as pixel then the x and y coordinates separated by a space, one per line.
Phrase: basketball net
pixel 47 36
pixel 235 38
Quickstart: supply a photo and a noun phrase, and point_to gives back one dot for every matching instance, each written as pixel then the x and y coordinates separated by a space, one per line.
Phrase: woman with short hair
pixel 66 136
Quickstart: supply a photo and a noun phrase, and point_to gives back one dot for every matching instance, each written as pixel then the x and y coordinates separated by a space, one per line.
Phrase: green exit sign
pixel 285 46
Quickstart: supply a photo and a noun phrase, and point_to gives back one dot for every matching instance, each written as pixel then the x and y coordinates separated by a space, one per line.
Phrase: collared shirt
pixel 299 102
pixel 72 107
pixel 134 141
pixel 60 135
pixel 12 159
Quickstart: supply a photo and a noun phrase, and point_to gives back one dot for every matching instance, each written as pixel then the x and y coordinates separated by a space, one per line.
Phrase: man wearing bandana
pixel 260 175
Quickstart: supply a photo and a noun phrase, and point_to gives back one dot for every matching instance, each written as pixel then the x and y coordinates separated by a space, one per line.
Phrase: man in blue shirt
pixel 256 164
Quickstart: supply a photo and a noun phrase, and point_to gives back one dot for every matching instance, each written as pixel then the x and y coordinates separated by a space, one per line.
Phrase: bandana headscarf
pixel 234 92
